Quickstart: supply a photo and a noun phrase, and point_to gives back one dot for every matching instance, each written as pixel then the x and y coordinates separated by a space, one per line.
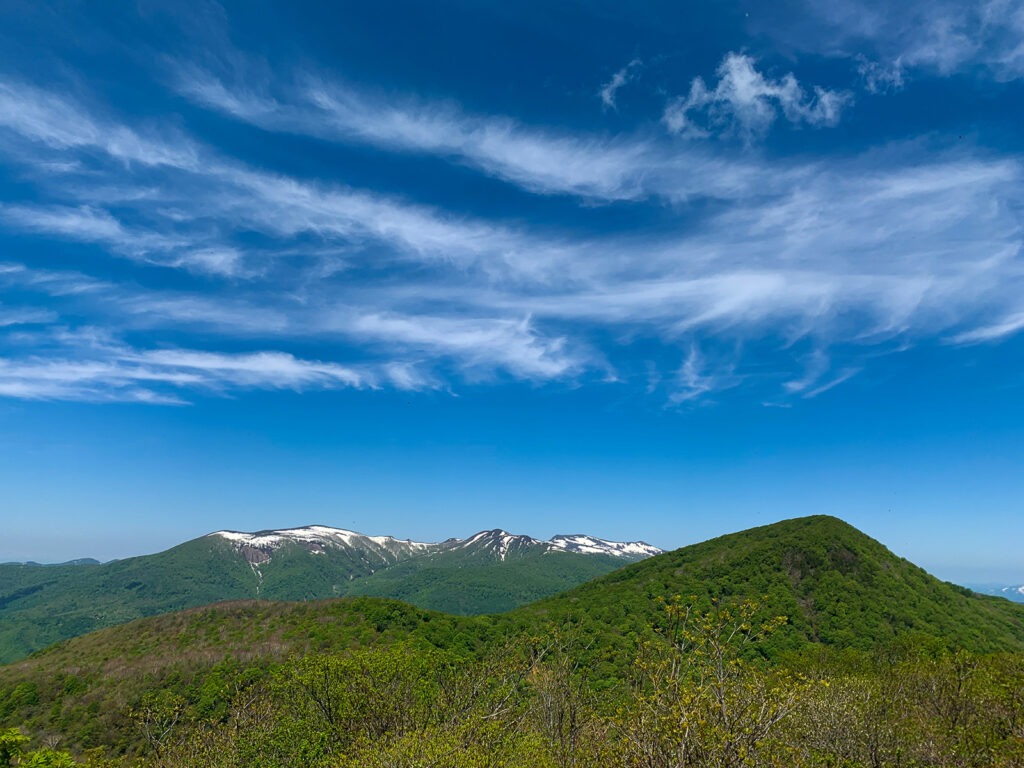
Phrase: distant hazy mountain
pixel 1013 593
pixel 488 572
pixel 1010 592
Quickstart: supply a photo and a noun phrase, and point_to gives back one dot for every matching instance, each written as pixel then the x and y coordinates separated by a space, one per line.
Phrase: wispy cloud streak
pixel 1007 326
pixel 917 38
pixel 610 89
pixel 541 161
pixel 167 376
pixel 888 247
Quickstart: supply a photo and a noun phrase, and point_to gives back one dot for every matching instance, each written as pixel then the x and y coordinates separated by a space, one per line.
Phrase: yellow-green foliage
pixel 619 673
pixel 699 694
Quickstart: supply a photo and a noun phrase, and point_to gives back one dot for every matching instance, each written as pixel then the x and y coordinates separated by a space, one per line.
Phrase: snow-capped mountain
pixel 588 545
pixel 489 572
pixel 496 543
pixel 317 539
pixel 259 547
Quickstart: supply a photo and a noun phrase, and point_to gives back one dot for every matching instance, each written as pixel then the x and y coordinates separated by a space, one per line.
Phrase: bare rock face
pixel 254 555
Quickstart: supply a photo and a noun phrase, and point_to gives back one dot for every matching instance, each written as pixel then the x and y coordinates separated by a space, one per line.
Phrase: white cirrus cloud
pixel 622 77
pixel 895 40
pixel 746 102
pixel 55 121
pixel 166 376
pixel 881 77
pixel 88 224
pixel 480 345
pixel 1006 326
pixel 15 316
pixel 694 379
pixel 349 287
pixel 540 161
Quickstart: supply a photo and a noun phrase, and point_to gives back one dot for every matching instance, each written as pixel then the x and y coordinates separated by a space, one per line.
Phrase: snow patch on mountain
pixel 313 534
pixel 590 545
pixel 499 542
pixel 258 548
pixel 317 539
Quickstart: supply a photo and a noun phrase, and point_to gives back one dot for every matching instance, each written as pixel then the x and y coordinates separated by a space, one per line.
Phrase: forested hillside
pixel 684 659
pixel 834 585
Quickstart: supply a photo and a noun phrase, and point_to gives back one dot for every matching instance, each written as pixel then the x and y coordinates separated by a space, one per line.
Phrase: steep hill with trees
pixel 834 584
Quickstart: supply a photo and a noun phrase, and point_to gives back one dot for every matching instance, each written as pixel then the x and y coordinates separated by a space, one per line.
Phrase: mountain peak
pixel 500 543
pixel 812 570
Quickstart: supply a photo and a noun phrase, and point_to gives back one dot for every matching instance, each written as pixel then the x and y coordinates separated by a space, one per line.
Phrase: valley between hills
pixel 803 642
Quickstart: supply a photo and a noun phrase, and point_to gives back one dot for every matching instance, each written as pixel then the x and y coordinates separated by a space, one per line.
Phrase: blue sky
pixel 656 273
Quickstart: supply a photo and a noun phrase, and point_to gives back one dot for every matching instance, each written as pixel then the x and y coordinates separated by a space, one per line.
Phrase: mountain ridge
pixel 489 572
pixel 319 536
